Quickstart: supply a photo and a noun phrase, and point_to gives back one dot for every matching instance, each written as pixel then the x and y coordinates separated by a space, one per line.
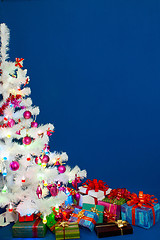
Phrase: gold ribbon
pixel 80 214
pixel 93 209
pixel 63 224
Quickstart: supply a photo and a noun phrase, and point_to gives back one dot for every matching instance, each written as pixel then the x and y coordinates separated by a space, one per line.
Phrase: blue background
pixel 95 74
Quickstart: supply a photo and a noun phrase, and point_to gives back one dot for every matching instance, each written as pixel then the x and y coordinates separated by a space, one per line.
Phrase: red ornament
pixel 54 191
pixel 14 165
pixel 27 114
pixel 61 169
pixel 27 140
pixel 45 159
pixel 28 159
pixel 59 217
pixel 34 124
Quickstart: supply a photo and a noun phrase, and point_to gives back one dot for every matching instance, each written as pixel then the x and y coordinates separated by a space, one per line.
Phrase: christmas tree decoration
pixel 11 123
pixel 34 124
pixel 10 208
pixel 23 180
pixel 45 159
pixel 14 165
pixel 54 190
pixel 39 192
pixel 58 216
pixel 27 114
pixel 27 140
pixel 61 169
pixel 44 219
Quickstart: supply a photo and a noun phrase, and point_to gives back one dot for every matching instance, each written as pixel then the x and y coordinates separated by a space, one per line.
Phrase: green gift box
pixel 121 201
pixel 51 221
pixel 67 230
pixel 99 209
pixel 34 229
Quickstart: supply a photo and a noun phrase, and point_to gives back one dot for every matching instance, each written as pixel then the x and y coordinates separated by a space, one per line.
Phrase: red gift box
pixel 26 218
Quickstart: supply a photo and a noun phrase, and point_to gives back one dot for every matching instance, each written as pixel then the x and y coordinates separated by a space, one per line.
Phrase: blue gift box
pixel 82 221
pixel 143 215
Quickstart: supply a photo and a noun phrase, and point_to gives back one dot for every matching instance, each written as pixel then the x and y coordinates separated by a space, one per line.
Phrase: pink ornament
pixel 45 159
pixel 36 160
pixel 39 192
pixel 27 114
pixel 77 196
pixel 34 124
pixel 62 189
pixel 14 165
pixel 27 140
pixel 11 123
pixel 18 132
pixel 54 191
pixel 61 169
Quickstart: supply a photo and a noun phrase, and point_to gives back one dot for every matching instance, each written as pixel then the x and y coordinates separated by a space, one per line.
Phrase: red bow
pixel 119 193
pixel 95 185
pixel 143 200
pixel 108 216
pixel 18 64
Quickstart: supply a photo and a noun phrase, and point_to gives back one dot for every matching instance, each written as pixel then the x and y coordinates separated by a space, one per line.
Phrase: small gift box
pixel 34 229
pixel 67 230
pixel 50 221
pixel 116 228
pixel 26 218
pixel 97 189
pixel 111 209
pixel 84 218
pixel 98 209
pixel 88 199
pixel 142 210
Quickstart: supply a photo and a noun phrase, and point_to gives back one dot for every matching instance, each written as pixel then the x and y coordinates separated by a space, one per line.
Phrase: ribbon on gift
pixel 64 225
pixel 109 216
pixel 81 215
pixel 142 200
pixel 19 62
pixel 35 228
pixel 95 210
pixel 119 193
pixel 95 185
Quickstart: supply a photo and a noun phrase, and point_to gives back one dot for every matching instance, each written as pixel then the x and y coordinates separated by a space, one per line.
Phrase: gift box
pixel 98 209
pixel 67 230
pixel 50 221
pixel 26 218
pixel 142 210
pixel 84 218
pixel 88 199
pixel 113 229
pixel 34 229
pixel 112 209
pixel 97 189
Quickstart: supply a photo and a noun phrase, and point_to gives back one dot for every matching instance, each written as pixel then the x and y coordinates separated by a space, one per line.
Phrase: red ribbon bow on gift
pixel 143 200
pixel 19 62
pixel 95 185
pixel 119 193
pixel 108 216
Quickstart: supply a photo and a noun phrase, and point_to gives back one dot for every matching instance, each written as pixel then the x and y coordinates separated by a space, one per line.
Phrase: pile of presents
pixel 110 212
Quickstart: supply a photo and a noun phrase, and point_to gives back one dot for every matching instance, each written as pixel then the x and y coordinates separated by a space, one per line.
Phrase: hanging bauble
pixel 62 189
pixel 54 191
pixel 11 123
pixel 34 124
pixel 14 165
pixel 45 159
pixel 57 163
pixel 27 140
pixel 39 192
pixel 27 114
pixel 58 217
pixel 77 196
pixel 61 169
pixel 18 132
pixel 48 147
pixel 38 160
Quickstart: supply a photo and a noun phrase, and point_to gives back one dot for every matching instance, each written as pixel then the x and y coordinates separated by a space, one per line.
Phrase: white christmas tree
pixel 30 173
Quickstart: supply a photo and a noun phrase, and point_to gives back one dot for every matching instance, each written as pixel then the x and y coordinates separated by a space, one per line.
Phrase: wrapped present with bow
pixel 34 229
pixel 114 228
pixel 113 201
pixel 98 209
pixel 26 218
pixel 142 210
pixel 50 221
pixel 95 188
pixel 67 230
pixel 84 218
